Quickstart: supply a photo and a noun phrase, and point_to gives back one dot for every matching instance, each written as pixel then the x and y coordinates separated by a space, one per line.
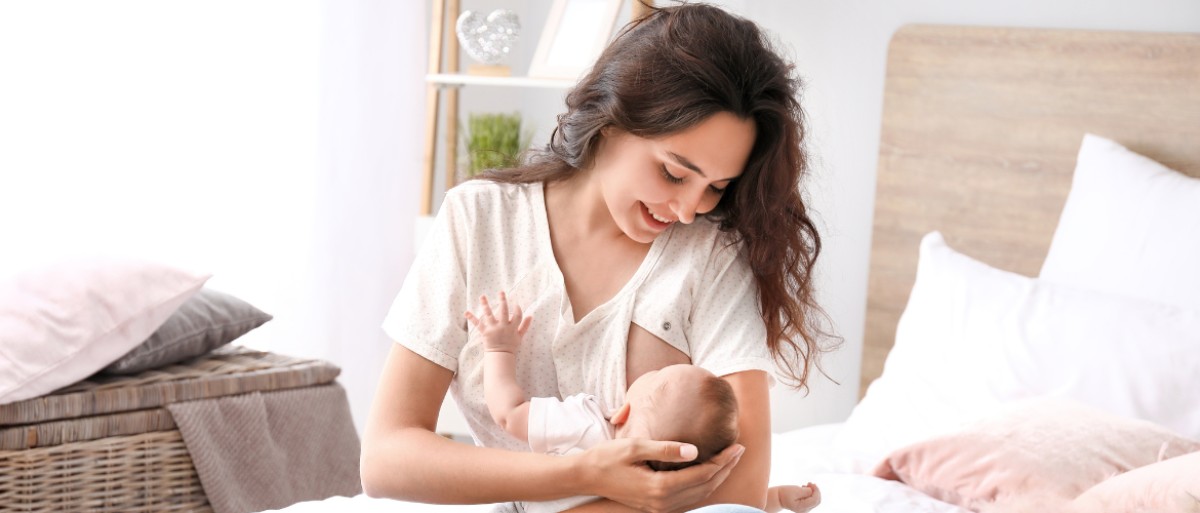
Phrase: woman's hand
pixel 616 469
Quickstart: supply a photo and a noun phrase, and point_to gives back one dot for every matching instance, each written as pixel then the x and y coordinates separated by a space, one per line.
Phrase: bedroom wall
pixel 272 143
pixel 288 165
pixel 840 50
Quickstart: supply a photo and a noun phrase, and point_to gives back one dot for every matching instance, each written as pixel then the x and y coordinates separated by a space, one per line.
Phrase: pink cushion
pixel 1171 486
pixel 1050 450
pixel 62 323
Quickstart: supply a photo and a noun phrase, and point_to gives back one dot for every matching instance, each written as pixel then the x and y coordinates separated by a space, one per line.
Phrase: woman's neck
pixel 576 210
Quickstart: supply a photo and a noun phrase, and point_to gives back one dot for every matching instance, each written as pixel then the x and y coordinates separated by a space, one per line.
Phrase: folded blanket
pixel 262 451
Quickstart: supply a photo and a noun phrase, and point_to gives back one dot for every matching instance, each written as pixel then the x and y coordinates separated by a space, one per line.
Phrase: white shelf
pixel 447 79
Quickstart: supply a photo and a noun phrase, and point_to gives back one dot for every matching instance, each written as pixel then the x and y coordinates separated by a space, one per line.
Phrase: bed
pixel 1002 391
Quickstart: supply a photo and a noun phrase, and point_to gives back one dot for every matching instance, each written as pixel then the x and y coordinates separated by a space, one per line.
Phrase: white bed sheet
pixel 798 457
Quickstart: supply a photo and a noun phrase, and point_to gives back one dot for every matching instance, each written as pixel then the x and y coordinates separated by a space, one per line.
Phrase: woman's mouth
pixel 654 220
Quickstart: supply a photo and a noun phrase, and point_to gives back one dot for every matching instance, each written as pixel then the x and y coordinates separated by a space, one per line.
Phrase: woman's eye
pixel 715 189
pixel 670 177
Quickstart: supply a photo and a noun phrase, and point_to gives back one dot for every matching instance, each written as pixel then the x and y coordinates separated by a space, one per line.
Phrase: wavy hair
pixel 670 71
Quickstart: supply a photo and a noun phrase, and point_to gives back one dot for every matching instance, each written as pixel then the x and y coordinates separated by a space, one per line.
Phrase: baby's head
pixel 682 403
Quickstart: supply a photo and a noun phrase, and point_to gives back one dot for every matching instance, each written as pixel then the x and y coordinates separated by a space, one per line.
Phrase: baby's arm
pixel 502 333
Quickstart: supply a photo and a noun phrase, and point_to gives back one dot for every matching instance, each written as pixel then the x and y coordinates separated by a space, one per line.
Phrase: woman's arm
pixel 747 484
pixel 403 458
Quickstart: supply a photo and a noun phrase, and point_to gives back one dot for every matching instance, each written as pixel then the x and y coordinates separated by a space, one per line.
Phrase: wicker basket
pixel 108 443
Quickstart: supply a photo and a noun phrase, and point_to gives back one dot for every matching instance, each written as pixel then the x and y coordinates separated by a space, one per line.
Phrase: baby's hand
pixel 501 332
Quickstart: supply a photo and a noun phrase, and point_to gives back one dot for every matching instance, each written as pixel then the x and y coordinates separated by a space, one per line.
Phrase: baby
pixel 682 403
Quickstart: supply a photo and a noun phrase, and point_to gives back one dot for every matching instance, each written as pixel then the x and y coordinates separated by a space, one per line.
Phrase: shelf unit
pixel 444 84
pixel 457 80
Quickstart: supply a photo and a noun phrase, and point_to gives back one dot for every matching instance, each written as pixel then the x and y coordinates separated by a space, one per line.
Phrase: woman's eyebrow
pixel 683 161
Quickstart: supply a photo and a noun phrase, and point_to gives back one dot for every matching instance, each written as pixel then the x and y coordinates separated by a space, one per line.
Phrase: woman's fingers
pixel 694 484
pixel 663 451
pixel 624 477
pixel 729 455
pixel 719 476
pixel 701 480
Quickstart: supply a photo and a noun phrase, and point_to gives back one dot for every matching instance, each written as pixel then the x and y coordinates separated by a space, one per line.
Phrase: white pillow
pixel 1130 226
pixel 973 338
pixel 62 323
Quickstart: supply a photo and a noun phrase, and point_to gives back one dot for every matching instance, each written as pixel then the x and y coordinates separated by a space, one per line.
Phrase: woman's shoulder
pixel 480 198
pixel 701 243
pixel 480 189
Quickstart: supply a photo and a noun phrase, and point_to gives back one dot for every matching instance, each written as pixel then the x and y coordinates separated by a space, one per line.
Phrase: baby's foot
pixel 799 499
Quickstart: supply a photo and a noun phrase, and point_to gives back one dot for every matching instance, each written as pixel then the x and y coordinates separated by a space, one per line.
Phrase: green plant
pixel 493 141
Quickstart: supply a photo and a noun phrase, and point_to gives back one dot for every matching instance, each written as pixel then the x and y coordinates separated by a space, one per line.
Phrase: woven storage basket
pixel 108 444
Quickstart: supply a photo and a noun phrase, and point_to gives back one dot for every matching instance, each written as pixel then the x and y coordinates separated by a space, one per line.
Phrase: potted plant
pixel 493 141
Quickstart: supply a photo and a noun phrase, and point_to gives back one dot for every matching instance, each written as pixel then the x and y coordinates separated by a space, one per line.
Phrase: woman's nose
pixel 685 206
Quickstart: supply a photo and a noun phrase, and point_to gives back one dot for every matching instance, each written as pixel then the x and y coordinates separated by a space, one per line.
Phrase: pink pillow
pixel 1171 486
pixel 62 323
pixel 1042 451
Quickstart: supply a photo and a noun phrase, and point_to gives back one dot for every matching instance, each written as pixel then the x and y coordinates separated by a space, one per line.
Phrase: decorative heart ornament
pixel 488 40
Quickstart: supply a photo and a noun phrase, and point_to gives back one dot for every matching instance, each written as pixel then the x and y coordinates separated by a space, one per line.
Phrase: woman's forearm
pixel 403 458
pixel 414 464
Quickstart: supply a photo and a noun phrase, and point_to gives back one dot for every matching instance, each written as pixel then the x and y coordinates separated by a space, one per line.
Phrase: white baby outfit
pixel 560 428
pixel 693 291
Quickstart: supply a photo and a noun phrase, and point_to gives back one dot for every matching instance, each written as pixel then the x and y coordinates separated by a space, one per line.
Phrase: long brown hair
pixel 668 72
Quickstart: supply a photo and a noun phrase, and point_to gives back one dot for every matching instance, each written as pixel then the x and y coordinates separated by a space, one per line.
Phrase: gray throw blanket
pixel 262 451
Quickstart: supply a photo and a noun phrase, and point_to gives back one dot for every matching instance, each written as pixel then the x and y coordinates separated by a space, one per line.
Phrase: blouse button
pixel 666 326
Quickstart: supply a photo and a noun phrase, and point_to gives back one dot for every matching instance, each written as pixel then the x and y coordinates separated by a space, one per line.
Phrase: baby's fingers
pixel 525 325
pixel 504 308
pixel 487 308
pixel 471 317
pixel 517 314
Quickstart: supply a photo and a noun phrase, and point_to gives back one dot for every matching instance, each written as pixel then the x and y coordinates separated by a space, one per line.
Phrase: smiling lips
pixel 655 220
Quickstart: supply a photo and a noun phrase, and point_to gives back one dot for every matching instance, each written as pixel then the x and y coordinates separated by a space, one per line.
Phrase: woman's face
pixel 648 184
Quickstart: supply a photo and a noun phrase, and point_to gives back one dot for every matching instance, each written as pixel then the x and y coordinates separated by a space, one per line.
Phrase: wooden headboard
pixel 981 127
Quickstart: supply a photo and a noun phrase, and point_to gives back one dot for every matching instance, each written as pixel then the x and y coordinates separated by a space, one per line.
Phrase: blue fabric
pixel 727 508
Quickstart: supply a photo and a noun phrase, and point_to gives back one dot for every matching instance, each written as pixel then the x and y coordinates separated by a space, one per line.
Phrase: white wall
pixel 277 144
pixel 272 143
pixel 179 132
pixel 840 47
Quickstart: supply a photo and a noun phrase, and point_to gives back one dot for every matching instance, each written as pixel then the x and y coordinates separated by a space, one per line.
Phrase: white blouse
pixel 692 290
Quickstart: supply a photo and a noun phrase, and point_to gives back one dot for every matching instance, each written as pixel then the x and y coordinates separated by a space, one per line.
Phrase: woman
pixel 662 224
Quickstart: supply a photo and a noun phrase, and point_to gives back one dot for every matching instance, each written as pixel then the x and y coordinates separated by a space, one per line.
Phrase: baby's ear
pixel 621 416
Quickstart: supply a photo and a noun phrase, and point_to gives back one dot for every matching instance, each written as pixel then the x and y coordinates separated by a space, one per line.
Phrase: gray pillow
pixel 208 320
